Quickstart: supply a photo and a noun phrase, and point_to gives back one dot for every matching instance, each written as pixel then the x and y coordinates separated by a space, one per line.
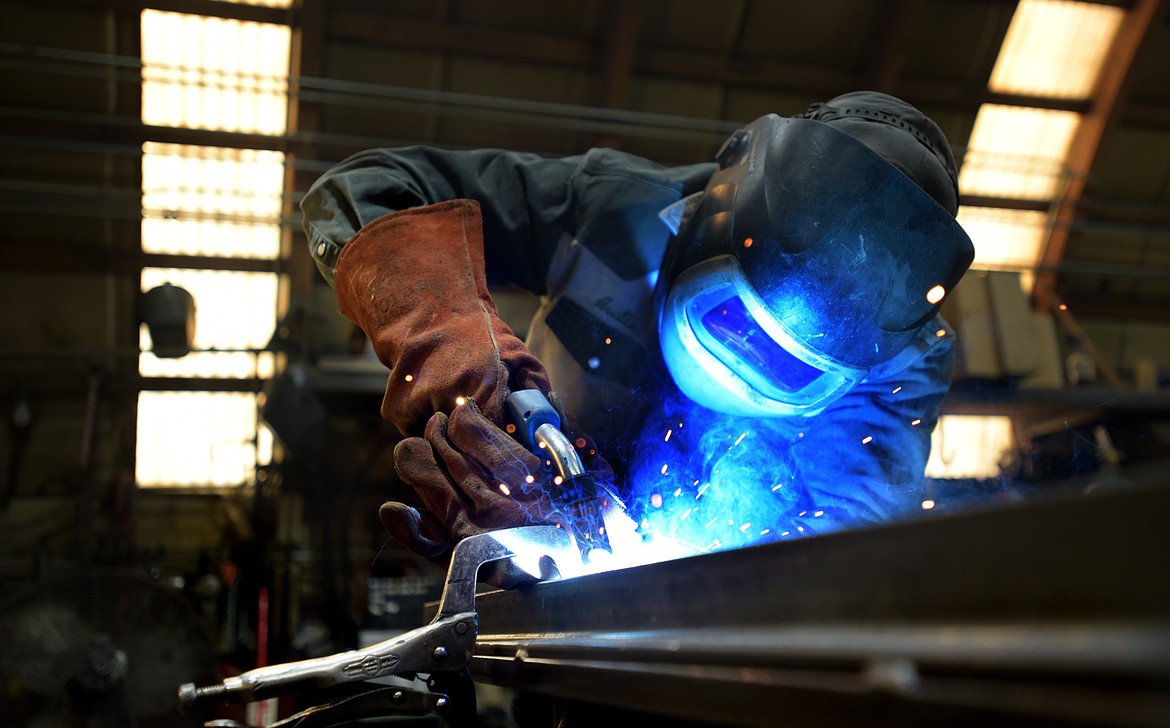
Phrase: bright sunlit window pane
pixel 969 446
pixel 214 73
pixel 199 439
pixel 1055 48
pixel 211 200
pixel 1004 239
pixel 1017 152
pixel 233 310
pixel 263 3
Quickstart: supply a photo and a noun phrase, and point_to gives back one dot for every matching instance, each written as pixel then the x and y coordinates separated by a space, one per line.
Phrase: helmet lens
pixel 730 332
pixel 728 351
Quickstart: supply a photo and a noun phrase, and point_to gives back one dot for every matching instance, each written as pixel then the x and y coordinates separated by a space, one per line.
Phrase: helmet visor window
pixel 730 332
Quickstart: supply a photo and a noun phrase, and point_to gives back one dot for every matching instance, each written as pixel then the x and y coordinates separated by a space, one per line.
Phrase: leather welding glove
pixel 414 281
pixel 472 477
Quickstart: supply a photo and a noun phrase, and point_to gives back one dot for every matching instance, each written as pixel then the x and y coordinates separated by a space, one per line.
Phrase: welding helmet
pixel 818 251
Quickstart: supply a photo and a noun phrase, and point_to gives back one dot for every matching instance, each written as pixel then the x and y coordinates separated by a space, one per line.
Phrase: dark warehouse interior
pixel 194 457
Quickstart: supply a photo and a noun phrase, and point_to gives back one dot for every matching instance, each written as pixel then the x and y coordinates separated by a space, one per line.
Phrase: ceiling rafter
pixel 617 68
pixel 884 50
pixel 1107 98
pixel 524 47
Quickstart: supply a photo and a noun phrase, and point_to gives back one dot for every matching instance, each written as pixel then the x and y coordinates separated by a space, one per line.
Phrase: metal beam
pixel 1106 99
pixel 886 44
pixel 439 37
pixel 1051 612
pixel 524 47
pixel 617 67
pixel 81 258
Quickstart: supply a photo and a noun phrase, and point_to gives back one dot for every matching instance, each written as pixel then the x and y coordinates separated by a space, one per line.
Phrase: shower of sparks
pixel 728 490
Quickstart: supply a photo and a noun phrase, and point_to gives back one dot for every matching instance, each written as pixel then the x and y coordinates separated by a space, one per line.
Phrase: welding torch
pixel 590 505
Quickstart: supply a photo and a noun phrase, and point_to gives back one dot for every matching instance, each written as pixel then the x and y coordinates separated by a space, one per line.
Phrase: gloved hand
pixel 414 281
pixel 472 477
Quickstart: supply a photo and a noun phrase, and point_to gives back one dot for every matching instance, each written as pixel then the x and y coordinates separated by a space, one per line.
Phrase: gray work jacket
pixel 584 234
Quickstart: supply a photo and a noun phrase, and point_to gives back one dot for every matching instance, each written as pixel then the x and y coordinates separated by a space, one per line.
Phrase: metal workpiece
pixel 1053 612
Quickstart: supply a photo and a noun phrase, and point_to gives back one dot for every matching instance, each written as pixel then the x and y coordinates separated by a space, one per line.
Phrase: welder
pixel 797 278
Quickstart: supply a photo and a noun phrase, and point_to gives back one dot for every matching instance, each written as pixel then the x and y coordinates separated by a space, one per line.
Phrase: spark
pixel 785 533
pixel 702 491
pixel 656 500
pixel 927 504
pixel 677 492
pixel 510 428
pixel 541 445
pixel 460 401
pixel 740 439
pixel 765 532
pixel 580 443
pixel 934 295
pixel 916 423
pixel 747 242
pixel 800 528
pixel 896 390
pixel 558 480
pixel 409 377
pixel 505 489
pixel 867 439
pixel 530 479
pixel 940 333
pixel 664 467
pixel 745 527
pixel 708 523
pixel 608 341
pixel 667 438
pixel 777 487
pixel 1063 307
pixel 818 514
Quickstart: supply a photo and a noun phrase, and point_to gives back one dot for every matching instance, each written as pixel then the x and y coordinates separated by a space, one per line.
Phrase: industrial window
pixel 1017 153
pixel 214 73
pixel 202 201
pixel 1053 49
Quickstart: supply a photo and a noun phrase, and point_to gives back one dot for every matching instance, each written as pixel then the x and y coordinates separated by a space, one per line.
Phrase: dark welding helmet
pixel 819 249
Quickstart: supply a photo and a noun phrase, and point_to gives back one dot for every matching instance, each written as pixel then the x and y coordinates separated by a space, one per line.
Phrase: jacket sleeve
pixel 525 200
pixel 863 459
